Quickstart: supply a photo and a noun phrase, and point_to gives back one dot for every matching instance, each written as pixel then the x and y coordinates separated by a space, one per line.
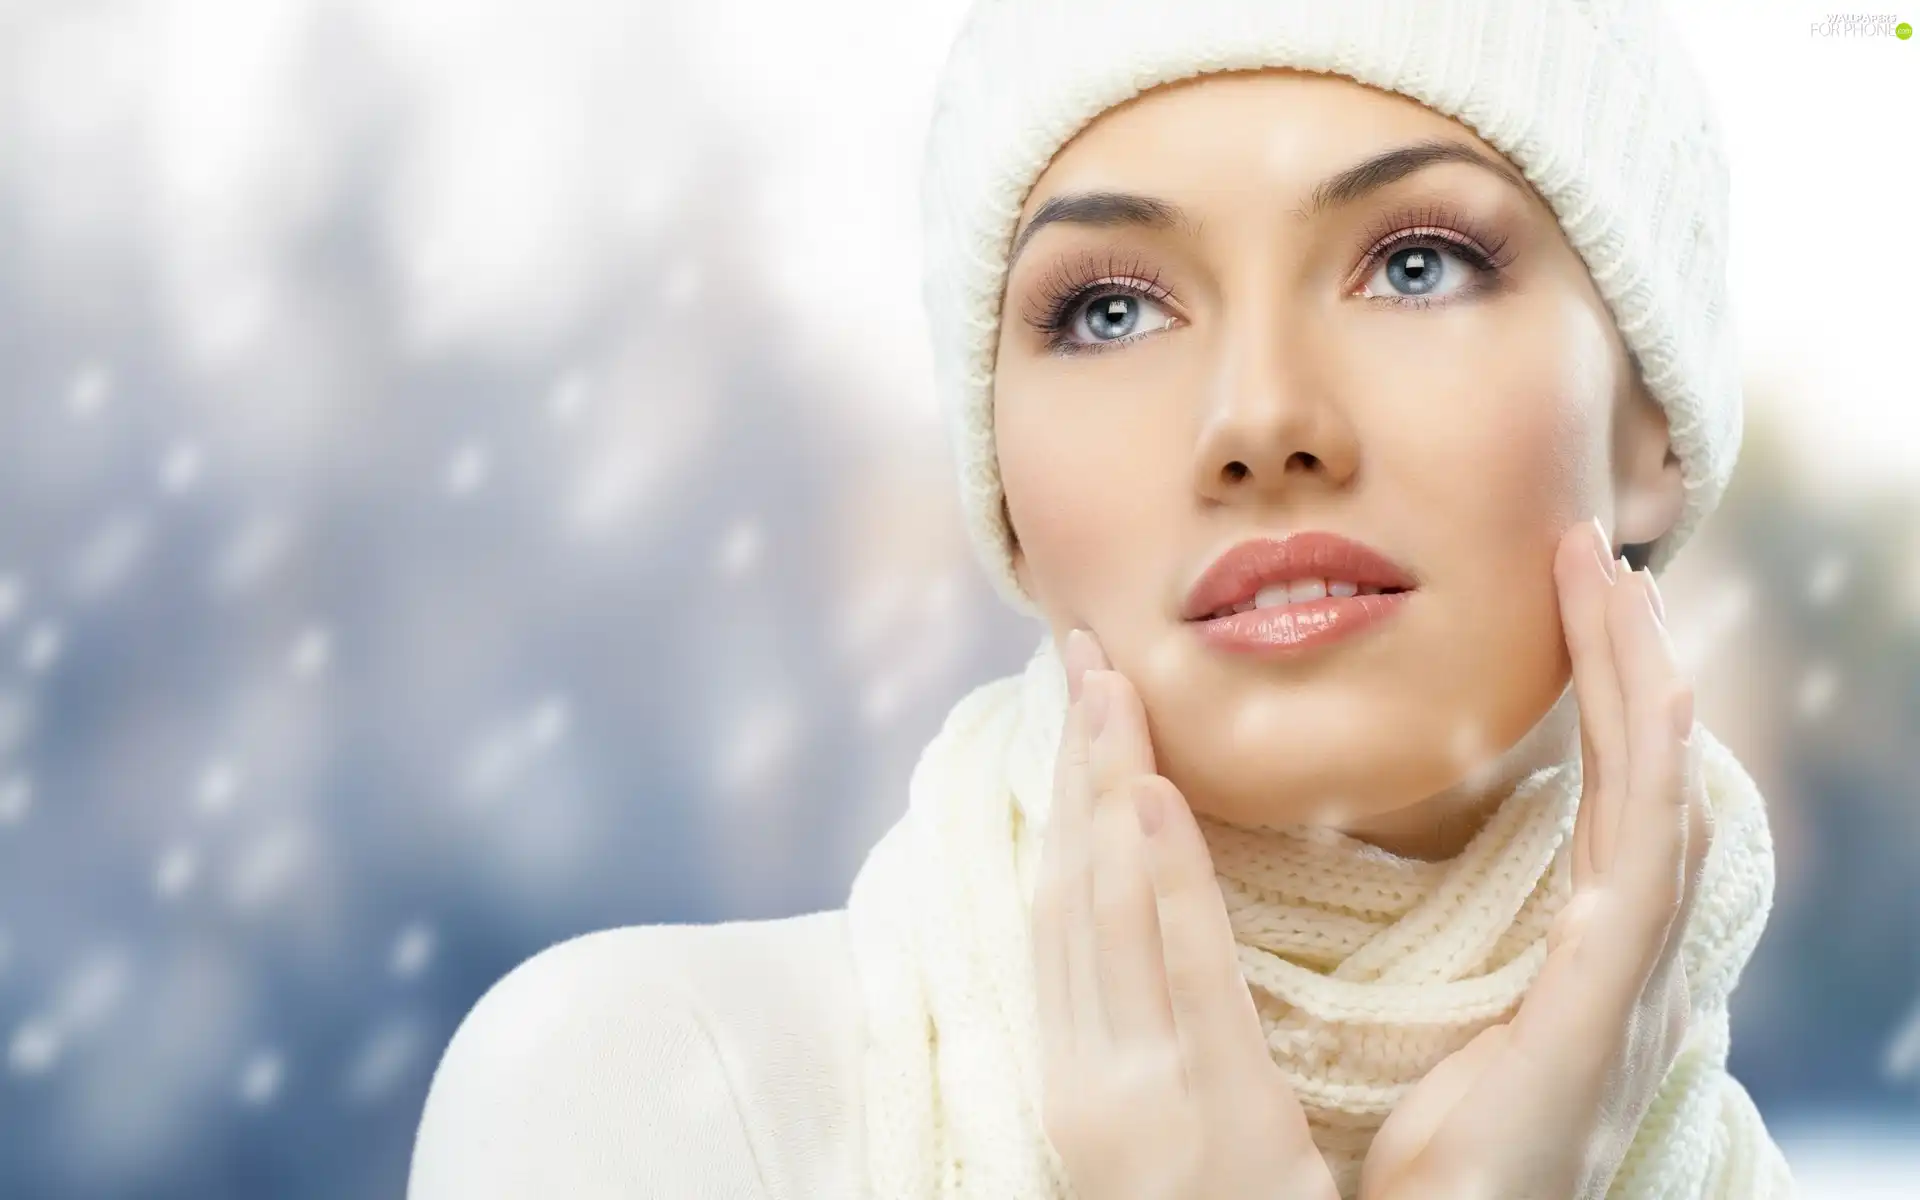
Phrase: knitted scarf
pixel 1367 968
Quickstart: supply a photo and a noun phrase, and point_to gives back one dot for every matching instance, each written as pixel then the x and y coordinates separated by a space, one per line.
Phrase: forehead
pixel 1275 130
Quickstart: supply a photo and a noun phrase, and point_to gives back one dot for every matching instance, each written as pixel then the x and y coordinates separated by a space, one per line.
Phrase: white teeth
pixel 1299 591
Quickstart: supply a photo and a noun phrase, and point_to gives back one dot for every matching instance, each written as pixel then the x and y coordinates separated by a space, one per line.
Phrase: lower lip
pixel 1291 628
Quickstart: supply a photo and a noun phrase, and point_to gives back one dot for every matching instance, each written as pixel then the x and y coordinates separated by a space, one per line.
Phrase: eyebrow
pixel 1108 209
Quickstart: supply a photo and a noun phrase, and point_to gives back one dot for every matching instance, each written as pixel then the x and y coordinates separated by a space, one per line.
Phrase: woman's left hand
pixel 1545 1105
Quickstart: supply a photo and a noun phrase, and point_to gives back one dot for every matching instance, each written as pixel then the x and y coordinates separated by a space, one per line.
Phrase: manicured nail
pixel 1653 596
pixel 1602 548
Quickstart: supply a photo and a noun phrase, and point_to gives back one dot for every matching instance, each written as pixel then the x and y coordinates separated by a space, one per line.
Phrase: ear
pixel 1648 495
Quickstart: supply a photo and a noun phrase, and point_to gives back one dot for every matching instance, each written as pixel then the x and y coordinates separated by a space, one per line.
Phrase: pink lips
pixel 1241 572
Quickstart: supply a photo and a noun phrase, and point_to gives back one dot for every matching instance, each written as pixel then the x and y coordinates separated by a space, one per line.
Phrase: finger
pixel 1079 654
pixel 1408 1130
pixel 1650 865
pixel 1576 1018
pixel 1052 992
pixel 1218 1028
pixel 1051 976
pixel 1699 835
pixel 1584 571
pixel 1069 837
pixel 1122 748
pixel 1572 1026
pixel 1127 934
pixel 1127 927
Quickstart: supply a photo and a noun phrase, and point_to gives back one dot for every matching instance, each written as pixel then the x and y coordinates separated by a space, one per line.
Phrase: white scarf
pixel 1341 943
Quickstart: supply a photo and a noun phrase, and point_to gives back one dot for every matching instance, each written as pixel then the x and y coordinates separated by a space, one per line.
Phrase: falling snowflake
pixel 548 723
pixel 94 991
pixel 12 596
pixel 1901 1063
pixel 42 647
pixel 1817 688
pixel 467 470
pixel 181 467
pixel 1696 640
pixel 383 1059
pixel 261 1077
pixel 1828 578
pixel 35 1047
pixel 311 652
pixel 412 950
pixel 175 871
pixel 507 749
pixel 265 868
pixel 942 598
pixel 739 548
pixel 756 747
pixel 1468 744
pixel 251 555
pixel 214 792
pixel 16 798
pixel 869 612
pixel 89 390
pixel 880 700
pixel 568 398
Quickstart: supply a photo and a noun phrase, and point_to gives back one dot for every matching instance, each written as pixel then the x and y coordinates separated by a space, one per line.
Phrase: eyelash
pixel 1076 281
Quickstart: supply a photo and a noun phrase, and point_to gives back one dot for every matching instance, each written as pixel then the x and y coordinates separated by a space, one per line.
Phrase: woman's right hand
pixel 1157 1078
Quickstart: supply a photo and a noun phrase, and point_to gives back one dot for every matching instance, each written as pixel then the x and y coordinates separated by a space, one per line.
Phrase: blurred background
pixel 469 476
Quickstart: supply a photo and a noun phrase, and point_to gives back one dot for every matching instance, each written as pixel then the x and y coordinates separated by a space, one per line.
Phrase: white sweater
pixel 656 1062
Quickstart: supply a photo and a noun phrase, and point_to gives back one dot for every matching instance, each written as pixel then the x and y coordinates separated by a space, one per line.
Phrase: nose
pixel 1274 426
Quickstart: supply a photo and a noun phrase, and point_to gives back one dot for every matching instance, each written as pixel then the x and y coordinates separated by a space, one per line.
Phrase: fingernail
pixel 1601 548
pixel 1623 566
pixel 1094 689
pixel 1653 596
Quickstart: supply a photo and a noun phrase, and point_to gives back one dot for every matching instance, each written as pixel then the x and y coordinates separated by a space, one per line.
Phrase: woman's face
pixel 1416 360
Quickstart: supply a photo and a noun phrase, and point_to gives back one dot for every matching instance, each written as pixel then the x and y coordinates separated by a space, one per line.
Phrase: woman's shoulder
pixel 713 1061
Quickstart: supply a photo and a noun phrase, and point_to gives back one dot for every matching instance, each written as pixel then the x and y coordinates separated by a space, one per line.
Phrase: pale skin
pixel 1296 387
pixel 1497 443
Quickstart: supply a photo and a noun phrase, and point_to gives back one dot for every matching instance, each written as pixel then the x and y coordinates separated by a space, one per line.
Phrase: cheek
pixel 1056 495
pixel 1514 449
pixel 1504 459
pixel 1080 463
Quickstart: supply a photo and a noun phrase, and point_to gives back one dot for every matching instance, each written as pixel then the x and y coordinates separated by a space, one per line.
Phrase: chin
pixel 1335 763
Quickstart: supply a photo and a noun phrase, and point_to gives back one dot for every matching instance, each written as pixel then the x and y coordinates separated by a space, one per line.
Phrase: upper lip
pixel 1243 570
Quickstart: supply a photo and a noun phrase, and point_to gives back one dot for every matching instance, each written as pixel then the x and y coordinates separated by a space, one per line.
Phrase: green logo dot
pixel 1903 31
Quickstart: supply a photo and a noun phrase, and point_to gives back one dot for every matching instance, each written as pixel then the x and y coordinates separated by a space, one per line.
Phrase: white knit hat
pixel 1593 100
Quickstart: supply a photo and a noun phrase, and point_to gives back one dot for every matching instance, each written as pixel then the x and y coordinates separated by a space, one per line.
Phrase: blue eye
pixel 1418 268
pixel 1110 313
pixel 1091 304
